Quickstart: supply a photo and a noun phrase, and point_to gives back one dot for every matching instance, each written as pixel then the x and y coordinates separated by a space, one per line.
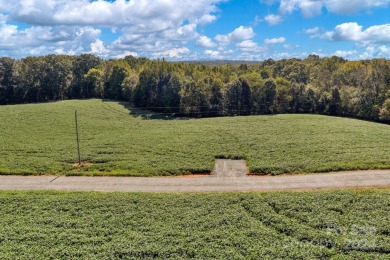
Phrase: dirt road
pixel 358 179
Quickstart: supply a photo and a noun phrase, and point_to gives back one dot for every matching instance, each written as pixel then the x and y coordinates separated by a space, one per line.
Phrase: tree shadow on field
pixel 146 114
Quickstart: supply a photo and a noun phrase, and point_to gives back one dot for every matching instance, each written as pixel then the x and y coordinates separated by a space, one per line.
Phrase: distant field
pixel 313 225
pixel 115 140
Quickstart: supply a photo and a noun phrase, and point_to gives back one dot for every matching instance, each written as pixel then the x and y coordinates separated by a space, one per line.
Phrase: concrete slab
pixel 230 168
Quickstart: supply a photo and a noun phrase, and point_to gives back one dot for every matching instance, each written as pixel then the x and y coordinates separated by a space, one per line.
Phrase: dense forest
pixel 332 86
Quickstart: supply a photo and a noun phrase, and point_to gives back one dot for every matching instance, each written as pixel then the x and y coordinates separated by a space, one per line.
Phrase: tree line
pixel 331 86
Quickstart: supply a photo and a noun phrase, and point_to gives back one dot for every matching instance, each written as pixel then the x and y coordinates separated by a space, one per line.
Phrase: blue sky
pixel 196 29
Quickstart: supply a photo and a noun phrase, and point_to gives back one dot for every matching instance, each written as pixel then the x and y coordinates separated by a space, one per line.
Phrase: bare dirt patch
pixel 83 164
pixel 230 168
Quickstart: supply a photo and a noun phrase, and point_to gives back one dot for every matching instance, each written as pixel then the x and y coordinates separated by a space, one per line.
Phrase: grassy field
pixel 321 225
pixel 116 140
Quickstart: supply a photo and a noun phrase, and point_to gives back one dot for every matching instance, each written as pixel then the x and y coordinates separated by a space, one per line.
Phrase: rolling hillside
pixel 118 140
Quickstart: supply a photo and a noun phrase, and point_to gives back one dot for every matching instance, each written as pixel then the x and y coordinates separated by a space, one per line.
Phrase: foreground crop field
pixel 116 140
pixel 340 224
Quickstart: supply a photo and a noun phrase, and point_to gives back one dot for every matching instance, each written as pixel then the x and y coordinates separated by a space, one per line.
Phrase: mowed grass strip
pixel 119 140
pixel 311 225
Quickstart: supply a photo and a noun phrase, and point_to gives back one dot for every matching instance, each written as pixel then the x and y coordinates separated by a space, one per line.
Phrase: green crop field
pixel 311 225
pixel 118 140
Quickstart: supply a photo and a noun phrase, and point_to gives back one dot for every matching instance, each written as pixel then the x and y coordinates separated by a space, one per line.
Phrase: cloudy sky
pixel 196 29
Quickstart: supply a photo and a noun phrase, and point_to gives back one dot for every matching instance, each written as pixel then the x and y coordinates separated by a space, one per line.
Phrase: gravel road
pixel 206 183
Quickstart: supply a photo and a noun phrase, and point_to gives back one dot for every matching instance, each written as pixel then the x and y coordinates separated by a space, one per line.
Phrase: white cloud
pixel 144 45
pixel 172 53
pixel 310 8
pixel 144 14
pixel 222 39
pixel 368 54
pixel 287 6
pixel 183 33
pixel 3 18
pixel 344 54
pixel 291 47
pixel 41 40
pixel 275 40
pixel 205 42
pixel 187 30
pixel 239 34
pixel 376 34
pixel 312 30
pixel 283 55
pixel 353 6
pixel 124 54
pixel 164 28
pixel 242 33
pixel 213 54
pixel 159 44
pixel 144 26
pixel 256 21
pixel 6 31
pixel 273 19
pixel 206 19
pixel 98 48
pixel 249 46
pixel 384 51
pixel 219 54
pixel 374 52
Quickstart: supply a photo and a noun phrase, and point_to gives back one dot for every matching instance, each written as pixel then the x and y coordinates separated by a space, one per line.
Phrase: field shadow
pixel 153 115
pixel 146 114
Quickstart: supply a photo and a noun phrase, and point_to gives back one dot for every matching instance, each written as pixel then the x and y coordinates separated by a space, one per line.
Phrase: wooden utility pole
pixel 77 136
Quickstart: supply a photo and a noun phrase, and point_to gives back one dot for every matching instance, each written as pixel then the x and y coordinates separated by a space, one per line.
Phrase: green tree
pixel 117 74
pixel 335 102
pixel 216 97
pixel 246 98
pixel 6 80
pixel 31 72
pixel 171 94
pixel 232 102
pixel 81 65
pixel 282 97
pixel 268 97
pixel 146 88
pixel 384 113
pixel 128 86
pixel 93 84
pixel 298 98
pixel 238 98
pixel 57 77
pixel 193 101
